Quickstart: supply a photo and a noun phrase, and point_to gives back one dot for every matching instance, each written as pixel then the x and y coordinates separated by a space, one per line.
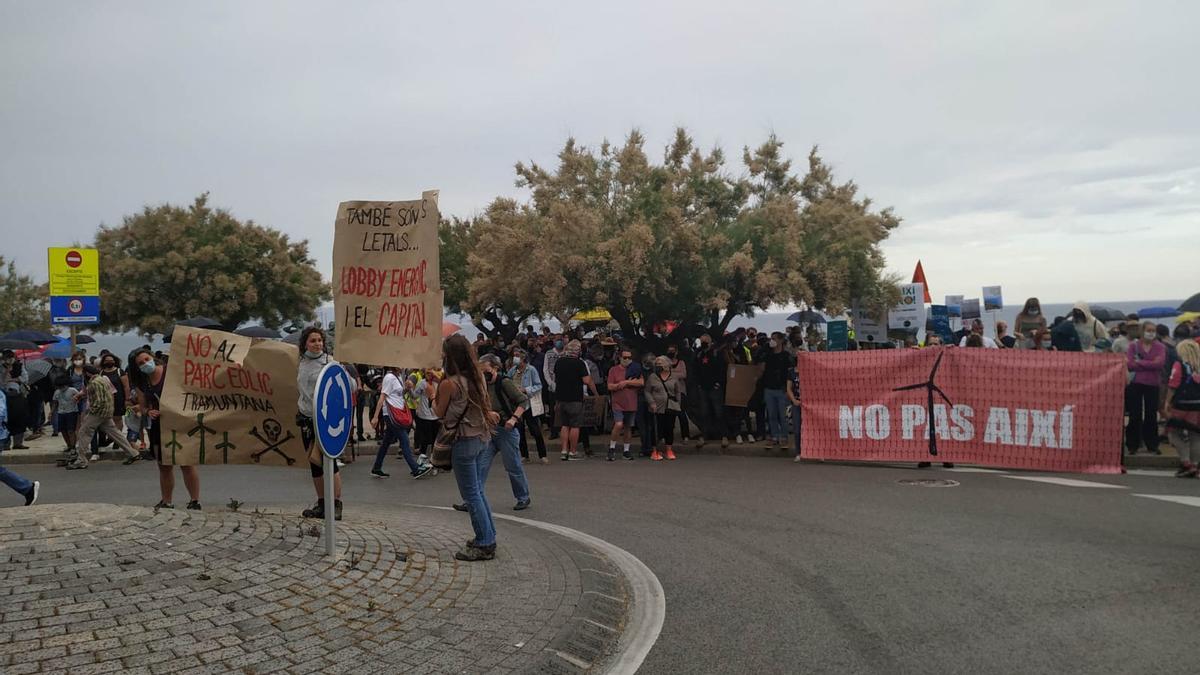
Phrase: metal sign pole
pixel 330 545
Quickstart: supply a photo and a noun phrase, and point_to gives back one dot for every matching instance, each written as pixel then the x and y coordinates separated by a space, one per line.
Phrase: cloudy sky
pixel 1052 147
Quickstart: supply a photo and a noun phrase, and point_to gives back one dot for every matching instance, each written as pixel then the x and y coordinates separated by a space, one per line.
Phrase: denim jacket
pixel 531 382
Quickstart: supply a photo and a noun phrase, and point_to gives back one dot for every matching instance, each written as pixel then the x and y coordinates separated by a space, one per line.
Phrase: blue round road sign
pixel 333 409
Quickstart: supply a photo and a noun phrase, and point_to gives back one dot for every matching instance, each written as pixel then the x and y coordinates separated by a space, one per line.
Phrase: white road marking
pixel 1160 473
pixel 1069 482
pixel 1186 500
pixel 969 469
pixel 648 609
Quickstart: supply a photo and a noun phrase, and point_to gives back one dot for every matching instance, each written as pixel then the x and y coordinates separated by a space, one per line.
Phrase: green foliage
pixel 23 304
pixel 682 240
pixel 169 263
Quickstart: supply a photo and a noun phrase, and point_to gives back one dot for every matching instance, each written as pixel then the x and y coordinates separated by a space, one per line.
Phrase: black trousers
pixel 1141 404
pixel 534 425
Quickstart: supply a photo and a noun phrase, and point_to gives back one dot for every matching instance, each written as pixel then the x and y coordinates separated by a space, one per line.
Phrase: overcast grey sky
pixel 1052 147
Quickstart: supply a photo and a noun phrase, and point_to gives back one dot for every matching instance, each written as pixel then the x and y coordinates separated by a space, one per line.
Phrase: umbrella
pixel 16 345
pixel 1106 314
pixel 449 328
pixel 194 322
pixel 61 350
pixel 37 370
pixel 293 338
pixel 1192 304
pixel 1157 313
pixel 1187 317
pixel 807 316
pixel 34 336
pixel 84 339
pixel 258 332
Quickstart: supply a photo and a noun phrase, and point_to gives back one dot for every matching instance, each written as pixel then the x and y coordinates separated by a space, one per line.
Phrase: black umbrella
pixel 807 316
pixel 194 322
pixel 258 332
pixel 1106 314
pixel 84 339
pixel 34 336
pixel 1192 304
pixel 16 345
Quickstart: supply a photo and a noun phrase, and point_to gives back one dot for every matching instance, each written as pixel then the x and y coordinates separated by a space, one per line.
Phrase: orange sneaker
pixel 670 454
pixel 656 456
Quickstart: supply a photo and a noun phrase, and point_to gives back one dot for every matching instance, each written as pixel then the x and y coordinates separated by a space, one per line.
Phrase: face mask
pixel 773 344
pixel 558 344
pixel 626 362
pixel 1149 337
pixel 147 368
pixel 312 354
pixel 1034 312
pixel 77 362
pixel 672 353
pixel 1045 344
pixel 516 360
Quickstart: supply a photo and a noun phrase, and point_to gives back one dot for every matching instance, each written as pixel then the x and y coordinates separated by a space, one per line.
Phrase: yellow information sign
pixel 74 271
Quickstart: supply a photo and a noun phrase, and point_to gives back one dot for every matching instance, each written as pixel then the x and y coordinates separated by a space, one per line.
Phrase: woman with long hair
pixel 146 379
pixel 1028 322
pixel 312 359
pixel 464 407
pixel 1182 408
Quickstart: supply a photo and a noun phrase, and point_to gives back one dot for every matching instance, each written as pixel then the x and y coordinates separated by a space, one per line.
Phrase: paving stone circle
pixel 97 588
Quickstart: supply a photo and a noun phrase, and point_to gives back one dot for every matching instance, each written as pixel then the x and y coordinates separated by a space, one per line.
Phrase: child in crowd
pixel 67 410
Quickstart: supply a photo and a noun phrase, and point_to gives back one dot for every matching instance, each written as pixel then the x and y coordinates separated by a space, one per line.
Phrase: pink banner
pixel 1049 411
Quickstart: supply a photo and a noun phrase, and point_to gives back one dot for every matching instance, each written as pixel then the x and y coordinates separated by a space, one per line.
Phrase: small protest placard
pixel 387 294
pixel 229 399
pixel 740 383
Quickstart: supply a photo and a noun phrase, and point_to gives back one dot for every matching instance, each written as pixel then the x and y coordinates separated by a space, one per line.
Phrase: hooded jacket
pixel 1090 330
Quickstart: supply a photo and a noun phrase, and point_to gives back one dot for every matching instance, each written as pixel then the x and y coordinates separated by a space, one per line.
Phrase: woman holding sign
pixel 146 378
pixel 312 359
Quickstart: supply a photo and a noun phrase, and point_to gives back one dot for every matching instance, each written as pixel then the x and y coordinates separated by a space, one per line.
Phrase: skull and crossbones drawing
pixel 273 430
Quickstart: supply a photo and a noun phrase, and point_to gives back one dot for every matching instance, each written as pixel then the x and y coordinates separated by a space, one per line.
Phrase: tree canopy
pixel 168 263
pixel 23 303
pixel 682 240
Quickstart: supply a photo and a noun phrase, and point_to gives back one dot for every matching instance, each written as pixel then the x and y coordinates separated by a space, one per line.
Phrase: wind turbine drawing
pixel 930 388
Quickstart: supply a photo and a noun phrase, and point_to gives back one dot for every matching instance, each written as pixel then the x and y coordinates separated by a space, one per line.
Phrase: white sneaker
pixel 94 458
pixel 738 440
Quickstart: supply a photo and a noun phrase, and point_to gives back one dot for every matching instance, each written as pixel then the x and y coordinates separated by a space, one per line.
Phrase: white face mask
pixel 1045 344
pixel 516 360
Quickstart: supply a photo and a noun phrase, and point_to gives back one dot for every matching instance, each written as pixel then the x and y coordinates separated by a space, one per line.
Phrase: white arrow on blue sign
pixel 333 409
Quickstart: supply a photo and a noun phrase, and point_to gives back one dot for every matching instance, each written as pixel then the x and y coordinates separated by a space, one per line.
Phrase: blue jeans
pixel 776 402
pixel 14 481
pixel 469 457
pixel 796 426
pixel 506 443
pixel 392 432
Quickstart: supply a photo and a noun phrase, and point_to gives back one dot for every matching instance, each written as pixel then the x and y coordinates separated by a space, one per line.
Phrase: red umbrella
pixel 449 328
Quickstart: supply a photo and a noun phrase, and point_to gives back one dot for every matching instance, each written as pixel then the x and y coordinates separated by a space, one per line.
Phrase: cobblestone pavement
pixel 96 588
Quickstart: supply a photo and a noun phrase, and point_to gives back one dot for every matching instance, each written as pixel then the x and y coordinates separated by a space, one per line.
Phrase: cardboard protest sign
pixel 229 399
pixel 740 383
pixel 993 299
pixel 594 410
pixel 387 296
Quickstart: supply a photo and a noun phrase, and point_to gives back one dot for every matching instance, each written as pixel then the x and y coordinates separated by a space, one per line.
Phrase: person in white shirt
pixel 392 410
pixel 977 329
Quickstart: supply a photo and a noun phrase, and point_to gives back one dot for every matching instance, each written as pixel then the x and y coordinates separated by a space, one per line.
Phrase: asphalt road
pixel 771 566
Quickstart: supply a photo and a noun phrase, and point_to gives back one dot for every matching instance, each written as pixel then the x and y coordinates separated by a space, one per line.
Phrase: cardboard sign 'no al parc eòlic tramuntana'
pixel 387 294
pixel 229 399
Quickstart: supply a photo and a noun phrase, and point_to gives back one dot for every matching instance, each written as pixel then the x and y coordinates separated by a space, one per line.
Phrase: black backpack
pixel 1187 396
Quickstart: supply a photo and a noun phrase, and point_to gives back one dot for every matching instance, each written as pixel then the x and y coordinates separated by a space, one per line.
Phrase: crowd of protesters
pixel 539 388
